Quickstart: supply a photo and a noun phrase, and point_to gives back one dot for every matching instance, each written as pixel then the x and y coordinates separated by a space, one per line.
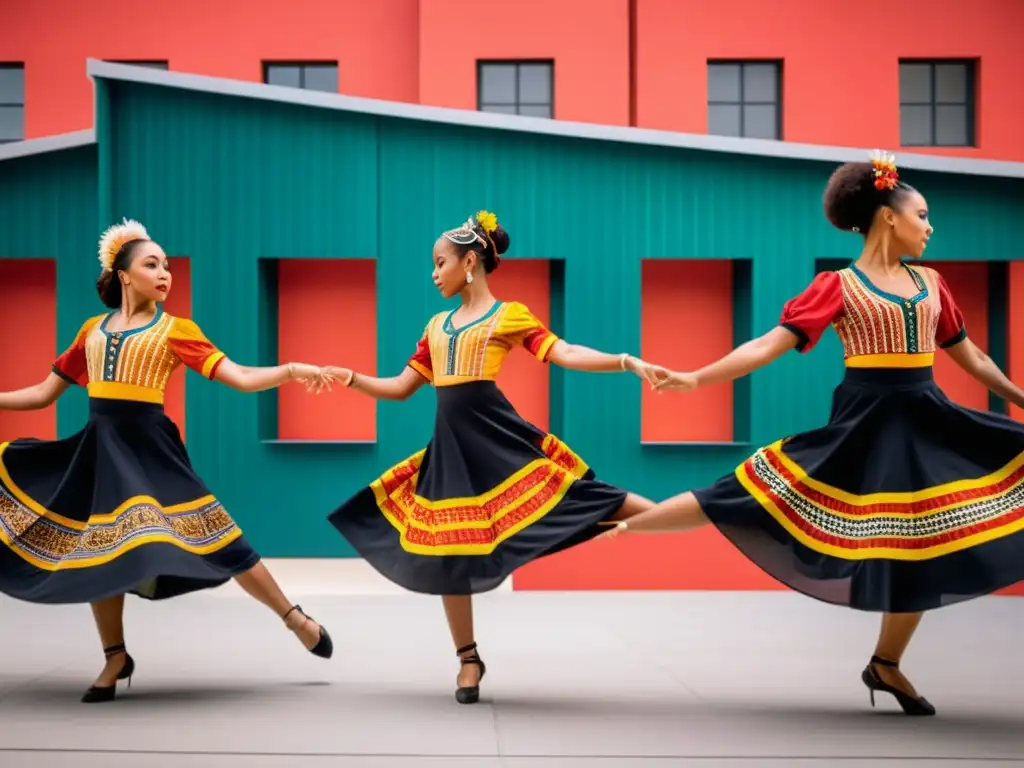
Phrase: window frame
pixel 742 64
pixel 302 66
pixel 481 64
pixel 969 103
pixel 19 65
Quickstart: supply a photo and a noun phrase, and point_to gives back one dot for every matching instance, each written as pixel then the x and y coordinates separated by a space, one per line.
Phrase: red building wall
pixel 840 67
pixel 840 63
pixel 375 44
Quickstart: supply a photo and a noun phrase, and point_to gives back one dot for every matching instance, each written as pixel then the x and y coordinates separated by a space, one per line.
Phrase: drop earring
pixel 469 277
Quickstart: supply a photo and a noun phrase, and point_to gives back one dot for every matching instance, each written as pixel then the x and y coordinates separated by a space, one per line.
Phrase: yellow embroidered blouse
pixel 135 364
pixel 448 355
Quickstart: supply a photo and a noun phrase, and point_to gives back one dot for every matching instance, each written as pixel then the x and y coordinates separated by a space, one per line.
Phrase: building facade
pixel 939 76
pixel 299 226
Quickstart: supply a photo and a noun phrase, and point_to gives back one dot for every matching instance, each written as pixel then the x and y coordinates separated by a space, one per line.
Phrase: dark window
pixel 12 102
pixel 318 76
pixel 937 103
pixel 745 99
pixel 150 64
pixel 516 87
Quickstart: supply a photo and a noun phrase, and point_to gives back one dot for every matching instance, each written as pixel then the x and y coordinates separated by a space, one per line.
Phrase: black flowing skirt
pixel 490 493
pixel 904 502
pixel 112 510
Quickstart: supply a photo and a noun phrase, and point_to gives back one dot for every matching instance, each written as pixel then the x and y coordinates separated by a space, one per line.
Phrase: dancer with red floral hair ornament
pixel 904 502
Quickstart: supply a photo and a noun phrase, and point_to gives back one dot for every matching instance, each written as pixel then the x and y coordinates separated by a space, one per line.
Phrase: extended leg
pixel 260 584
pixel 633 506
pixel 678 513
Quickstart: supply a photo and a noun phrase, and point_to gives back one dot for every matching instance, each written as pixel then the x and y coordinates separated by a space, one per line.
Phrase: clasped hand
pixel 660 378
pixel 315 379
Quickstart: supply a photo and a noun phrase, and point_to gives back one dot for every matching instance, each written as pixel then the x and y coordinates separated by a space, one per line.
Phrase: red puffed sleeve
pixel 420 360
pixel 951 329
pixel 189 345
pixel 811 313
pixel 522 327
pixel 71 365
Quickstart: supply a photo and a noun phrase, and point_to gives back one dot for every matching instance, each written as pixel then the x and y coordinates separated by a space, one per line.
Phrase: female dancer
pixel 117 508
pixel 905 501
pixel 491 491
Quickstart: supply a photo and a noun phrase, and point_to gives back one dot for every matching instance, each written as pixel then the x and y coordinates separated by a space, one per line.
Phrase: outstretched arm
pixel 804 319
pixel 400 387
pixel 968 356
pixel 191 346
pixel 579 358
pixel 748 357
pixel 246 378
pixel 33 398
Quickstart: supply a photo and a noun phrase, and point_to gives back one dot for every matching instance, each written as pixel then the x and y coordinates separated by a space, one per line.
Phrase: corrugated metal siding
pixel 229 181
pixel 48 210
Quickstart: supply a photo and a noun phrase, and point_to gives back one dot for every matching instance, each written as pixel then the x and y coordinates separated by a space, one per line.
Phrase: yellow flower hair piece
pixel 886 176
pixel 487 220
pixel 115 237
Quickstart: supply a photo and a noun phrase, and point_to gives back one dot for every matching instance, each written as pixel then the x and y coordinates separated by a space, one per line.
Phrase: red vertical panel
pixel 346 337
pixel 686 322
pixel 28 331
pixel 524 380
pixel 179 304
pixel 969 283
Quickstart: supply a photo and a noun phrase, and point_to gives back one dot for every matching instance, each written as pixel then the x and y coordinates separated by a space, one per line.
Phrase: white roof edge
pixel 473 118
pixel 54 143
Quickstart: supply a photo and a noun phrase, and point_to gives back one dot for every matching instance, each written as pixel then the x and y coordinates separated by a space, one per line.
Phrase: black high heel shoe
pixel 911 706
pixel 102 693
pixel 325 646
pixel 470 694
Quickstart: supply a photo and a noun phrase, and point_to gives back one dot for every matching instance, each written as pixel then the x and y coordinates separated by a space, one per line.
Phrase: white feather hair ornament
pixel 115 237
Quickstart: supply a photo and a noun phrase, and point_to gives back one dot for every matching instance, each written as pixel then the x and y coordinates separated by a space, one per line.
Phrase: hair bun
pixel 500 239
pixel 851 198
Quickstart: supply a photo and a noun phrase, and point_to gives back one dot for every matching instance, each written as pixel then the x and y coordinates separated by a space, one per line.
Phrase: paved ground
pixel 644 680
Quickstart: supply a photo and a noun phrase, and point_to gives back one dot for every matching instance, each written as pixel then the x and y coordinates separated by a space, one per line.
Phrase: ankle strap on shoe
pixel 114 650
pixel 884 662
pixel 465 649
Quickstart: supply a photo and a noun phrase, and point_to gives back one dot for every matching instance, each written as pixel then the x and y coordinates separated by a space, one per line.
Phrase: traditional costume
pixel 490 492
pixel 117 507
pixel 905 501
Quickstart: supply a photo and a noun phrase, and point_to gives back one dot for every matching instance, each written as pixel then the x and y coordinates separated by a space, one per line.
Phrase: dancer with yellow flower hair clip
pixel 491 492
pixel 117 507
pixel 905 501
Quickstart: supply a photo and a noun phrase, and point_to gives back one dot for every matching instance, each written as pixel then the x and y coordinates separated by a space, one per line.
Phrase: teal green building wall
pixel 233 182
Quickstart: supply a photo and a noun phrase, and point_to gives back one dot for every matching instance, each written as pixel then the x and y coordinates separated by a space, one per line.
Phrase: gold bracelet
pixel 622 360
pixel 351 379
